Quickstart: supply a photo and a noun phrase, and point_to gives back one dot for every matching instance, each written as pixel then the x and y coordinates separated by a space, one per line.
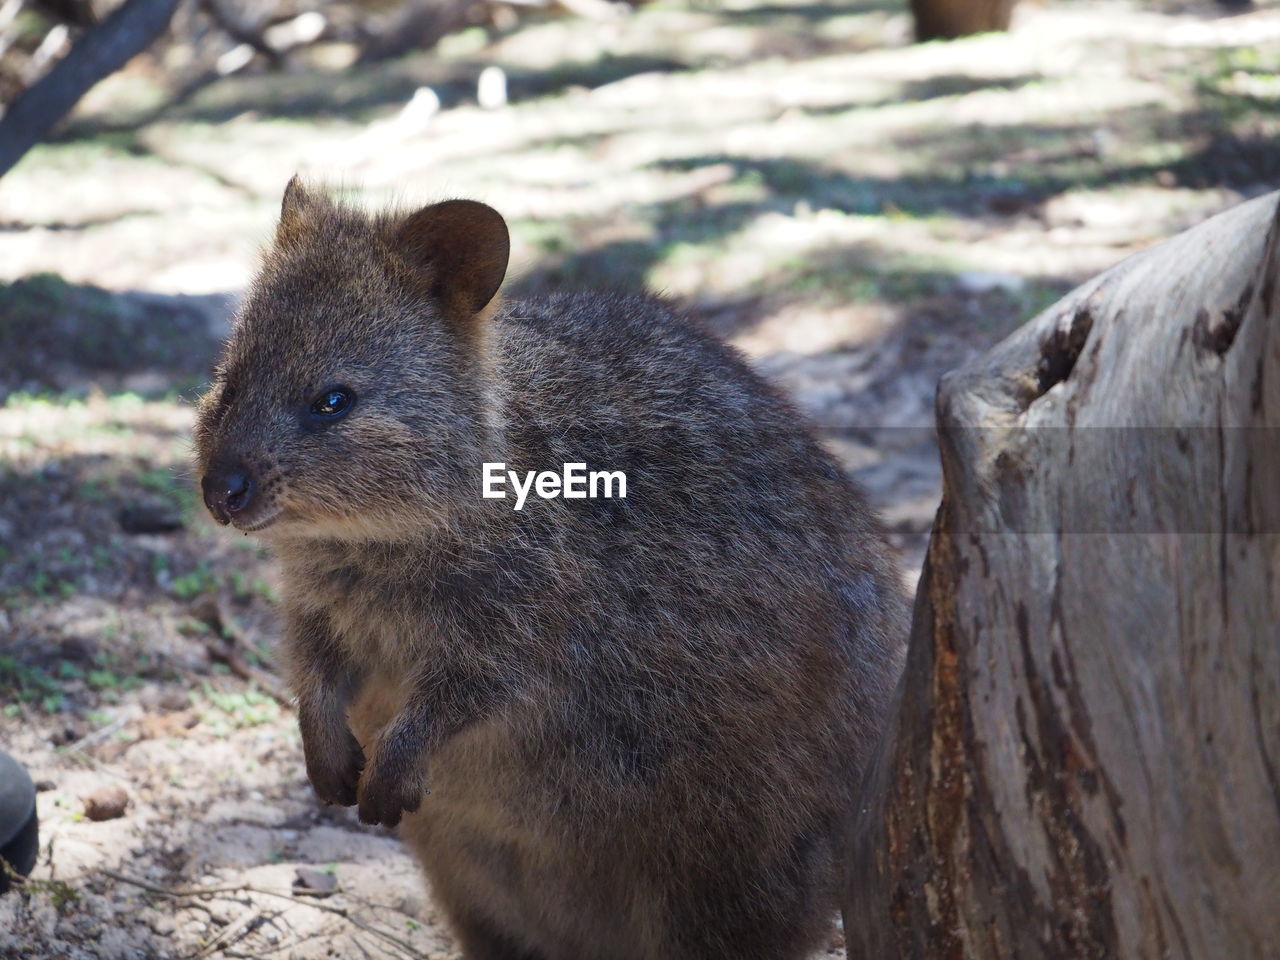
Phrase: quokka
pixel 622 728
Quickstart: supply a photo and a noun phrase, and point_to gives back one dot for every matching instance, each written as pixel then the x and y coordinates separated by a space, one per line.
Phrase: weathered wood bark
pixel 1085 756
pixel 948 19
pixel 103 50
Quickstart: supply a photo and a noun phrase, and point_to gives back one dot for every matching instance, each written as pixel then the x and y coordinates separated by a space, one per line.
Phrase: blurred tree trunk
pixel 418 25
pixel 104 49
pixel 948 19
pixel 1085 756
pixel 78 13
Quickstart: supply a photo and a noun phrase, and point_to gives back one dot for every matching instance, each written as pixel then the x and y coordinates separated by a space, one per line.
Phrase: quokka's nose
pixel 227 491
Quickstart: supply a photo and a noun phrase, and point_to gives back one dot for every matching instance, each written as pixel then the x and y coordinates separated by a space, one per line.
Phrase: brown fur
pixel 630 729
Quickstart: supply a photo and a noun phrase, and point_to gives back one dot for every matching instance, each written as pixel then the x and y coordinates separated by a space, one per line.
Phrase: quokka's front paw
pixel 335 773
pixel 386 793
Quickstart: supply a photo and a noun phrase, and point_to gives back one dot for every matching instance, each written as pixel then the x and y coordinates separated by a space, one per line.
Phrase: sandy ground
pixel 857 213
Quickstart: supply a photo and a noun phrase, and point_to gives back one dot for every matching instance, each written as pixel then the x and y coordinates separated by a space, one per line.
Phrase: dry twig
pixel 299 897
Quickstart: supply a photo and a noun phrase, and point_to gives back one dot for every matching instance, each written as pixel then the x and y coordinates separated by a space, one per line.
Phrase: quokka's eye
pixel 332 403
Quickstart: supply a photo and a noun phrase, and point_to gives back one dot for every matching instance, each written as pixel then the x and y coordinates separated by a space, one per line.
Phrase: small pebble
pixel 149 517
pixel 106 803
pixel 165 699
pixel 317 881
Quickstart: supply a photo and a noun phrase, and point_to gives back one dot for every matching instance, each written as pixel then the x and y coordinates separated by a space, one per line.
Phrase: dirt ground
pixel 857 213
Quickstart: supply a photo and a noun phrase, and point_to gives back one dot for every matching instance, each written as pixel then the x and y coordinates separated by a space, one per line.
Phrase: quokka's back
pixel 640 718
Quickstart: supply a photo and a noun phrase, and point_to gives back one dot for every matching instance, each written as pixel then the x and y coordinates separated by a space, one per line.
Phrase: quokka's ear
pixel 461 248
pixel 297 207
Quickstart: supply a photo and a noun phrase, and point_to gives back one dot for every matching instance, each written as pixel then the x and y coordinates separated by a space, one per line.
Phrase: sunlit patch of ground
pixel 136 650
pixel 857 213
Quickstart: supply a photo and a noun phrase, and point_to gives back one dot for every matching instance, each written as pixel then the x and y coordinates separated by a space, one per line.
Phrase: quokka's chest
pixel 393 609
pixel 382 617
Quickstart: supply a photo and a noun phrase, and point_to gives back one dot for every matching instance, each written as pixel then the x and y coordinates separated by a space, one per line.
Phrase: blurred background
pixel 856 209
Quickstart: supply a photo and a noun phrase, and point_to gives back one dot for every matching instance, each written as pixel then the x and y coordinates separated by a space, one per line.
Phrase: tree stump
pixel 948 19
pixel 1083 760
